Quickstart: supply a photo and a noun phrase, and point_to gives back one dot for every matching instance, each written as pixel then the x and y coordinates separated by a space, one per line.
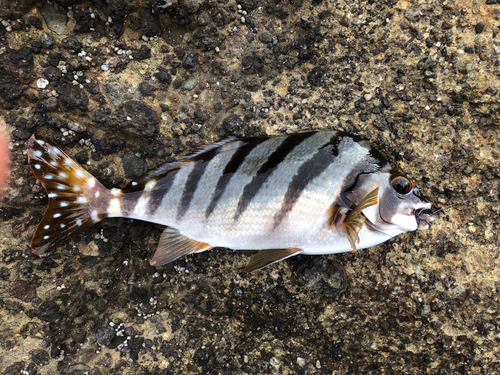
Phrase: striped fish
pixel 317 192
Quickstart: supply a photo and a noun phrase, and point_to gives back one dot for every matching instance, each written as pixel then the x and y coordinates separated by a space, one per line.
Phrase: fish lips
pixel 423 216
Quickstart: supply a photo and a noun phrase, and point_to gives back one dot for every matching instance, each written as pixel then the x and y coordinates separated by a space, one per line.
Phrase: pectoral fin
pixel 265 258
pixel 173 246
pixel 354 220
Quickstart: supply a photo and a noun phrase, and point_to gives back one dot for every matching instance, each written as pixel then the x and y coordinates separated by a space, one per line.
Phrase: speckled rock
pixel 418 80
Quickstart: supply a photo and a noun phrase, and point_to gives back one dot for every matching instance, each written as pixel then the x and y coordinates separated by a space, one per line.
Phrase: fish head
pixel 401 207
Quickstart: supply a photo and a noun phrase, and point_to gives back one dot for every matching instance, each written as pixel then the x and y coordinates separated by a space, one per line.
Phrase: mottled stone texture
pixel 419 80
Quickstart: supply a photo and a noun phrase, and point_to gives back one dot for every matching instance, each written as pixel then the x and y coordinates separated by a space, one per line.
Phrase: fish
pixel 312 193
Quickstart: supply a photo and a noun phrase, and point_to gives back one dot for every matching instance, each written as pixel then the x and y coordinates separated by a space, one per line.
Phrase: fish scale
pixel 318 192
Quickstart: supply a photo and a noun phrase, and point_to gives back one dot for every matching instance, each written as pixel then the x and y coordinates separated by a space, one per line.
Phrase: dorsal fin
pixel 139 183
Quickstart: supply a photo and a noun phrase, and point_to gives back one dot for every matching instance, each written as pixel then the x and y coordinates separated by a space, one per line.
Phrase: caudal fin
pixel 73 193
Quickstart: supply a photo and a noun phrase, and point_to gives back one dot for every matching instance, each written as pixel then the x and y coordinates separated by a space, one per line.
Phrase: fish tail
pixel 76 199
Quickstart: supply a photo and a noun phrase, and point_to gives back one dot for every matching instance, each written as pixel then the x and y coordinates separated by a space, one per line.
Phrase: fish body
pixel 318 192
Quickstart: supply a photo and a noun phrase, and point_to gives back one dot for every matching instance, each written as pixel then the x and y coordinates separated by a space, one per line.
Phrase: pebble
pixel 55 18
pixel 479 27
pixel 189 84
pixel 47 41
pixel 42 83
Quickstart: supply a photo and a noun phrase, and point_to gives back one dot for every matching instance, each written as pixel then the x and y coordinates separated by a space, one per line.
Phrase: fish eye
pixel 401 184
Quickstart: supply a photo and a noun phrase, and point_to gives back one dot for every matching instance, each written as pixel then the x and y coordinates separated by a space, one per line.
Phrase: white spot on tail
pixel 56 215
pixel 61 187
pixel 46 227
pixel 63 175
pixel 38 166
pixel 48 177
pixel 64 204
pixel 52 195
pixel 96 194
pixel 134 183
pixel 40 142
pixel 114 208
pixel 115 192
pixel 53 163
pixel 81 200
pixel 79 173
pixel 76 188
pixel 150 185
pixel 93 215
pixel 63 225
pixel 79 222
pixel 38 153
pixel 45 237
pixel 56 151
pixel 68 161
pixel 91 183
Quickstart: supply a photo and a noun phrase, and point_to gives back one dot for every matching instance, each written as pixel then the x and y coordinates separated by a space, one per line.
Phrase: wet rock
pixel 138 294
pixel 133 165
pixel 16 66
pixel 118 14
pixel 143 119
pixel 77 369
pixel 115 91
pixel 191 60
pixel 142 53
pixel 150 23
pixel 414 13
pixel 201 116
pixel 163 76
pixel 73 97
pixel 315 75
pixel 265 38
pixel 321 275
pixel 15 369
pixel 40 357
pixel 35 22
pixel 71 44
pixel 25 267
pixel 203 18
pixel 206 38
pixel 23 290
pixel 189 84
pixel 53 75
pixel 48 312
pixel 232 124
pixel 105 335
pixel 47 41
pixel 55 17
pixel 479 27
pixel 84 20
pixel 51 104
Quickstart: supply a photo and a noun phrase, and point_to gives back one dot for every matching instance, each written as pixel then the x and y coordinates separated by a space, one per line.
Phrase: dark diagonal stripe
pixel 161 189
pixel 201 162
pixel 231 167
pixel 251 190
pixel 306 173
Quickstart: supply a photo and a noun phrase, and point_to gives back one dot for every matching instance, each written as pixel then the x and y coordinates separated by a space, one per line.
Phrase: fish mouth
pixel 423 216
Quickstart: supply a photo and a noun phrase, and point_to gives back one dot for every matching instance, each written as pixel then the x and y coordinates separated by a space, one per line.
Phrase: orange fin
pixel 354 220
pixel 71 191
pixel 265 258
pixel 173 246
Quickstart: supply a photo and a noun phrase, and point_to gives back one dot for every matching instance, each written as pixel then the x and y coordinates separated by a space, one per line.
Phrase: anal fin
pixel 265 258
pixel 173 246
pixel 354 220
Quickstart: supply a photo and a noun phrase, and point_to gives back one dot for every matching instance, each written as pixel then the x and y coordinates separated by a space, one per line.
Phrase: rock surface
pixel 420 81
